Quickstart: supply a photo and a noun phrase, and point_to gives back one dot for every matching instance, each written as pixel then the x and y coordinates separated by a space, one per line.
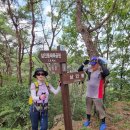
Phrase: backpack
pixel 30 100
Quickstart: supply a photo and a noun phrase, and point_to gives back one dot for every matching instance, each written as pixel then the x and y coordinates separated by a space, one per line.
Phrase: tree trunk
pixel 84 31
pixel 7 56
pixel 1 80
pixel 19 40
pixel 32 42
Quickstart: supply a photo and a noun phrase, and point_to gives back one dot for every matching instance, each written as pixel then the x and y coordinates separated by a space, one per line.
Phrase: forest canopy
pixel 85 28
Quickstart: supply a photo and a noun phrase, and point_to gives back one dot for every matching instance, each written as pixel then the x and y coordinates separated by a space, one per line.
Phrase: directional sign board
pixel 73 77
pixel 54 68
pixel 53 56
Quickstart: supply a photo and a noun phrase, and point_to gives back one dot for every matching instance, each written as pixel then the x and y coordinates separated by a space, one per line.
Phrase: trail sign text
pixel 73 77
pixel 53 56
pixel 54 68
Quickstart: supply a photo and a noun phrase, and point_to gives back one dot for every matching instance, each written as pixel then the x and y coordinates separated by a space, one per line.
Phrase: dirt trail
pixel 118 118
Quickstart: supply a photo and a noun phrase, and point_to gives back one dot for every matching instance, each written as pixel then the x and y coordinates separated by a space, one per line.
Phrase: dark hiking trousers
pixel 37 116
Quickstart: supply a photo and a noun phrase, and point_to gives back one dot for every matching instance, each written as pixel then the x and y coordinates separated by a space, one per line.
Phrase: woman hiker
pixel 40 94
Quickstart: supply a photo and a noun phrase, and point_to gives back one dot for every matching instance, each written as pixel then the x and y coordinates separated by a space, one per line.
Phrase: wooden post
pixel 66 101
pixel 65 95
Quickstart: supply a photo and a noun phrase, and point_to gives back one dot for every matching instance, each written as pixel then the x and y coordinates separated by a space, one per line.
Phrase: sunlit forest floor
pixel 118 118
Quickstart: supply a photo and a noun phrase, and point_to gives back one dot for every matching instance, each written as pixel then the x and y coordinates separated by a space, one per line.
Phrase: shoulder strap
pixel 37 86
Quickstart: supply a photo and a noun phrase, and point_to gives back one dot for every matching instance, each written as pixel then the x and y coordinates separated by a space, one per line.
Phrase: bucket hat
pixel 40 70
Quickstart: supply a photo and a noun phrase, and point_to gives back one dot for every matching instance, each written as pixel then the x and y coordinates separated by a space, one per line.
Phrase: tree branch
pixel 105 19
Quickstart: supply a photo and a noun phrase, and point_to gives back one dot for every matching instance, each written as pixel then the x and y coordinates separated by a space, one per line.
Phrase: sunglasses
pixel 38 74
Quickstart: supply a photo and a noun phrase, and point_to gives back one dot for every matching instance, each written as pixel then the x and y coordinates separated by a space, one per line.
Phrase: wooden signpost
pixel 53 56
pixel 73 77
pixel 57 61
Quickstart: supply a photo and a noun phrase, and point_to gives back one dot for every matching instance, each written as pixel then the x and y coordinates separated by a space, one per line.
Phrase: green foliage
pixel 24 12
pixel 55 108
pixel 126 108
pixel 78 100
pixel 126 125
pixel 117 118
pixel 4 24
pixel 14 111
pixel 84 128
pixel 14 105
pixel 9 129
pixel 117 95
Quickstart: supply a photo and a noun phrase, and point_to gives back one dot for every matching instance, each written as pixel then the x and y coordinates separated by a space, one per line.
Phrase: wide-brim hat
pixel 40 70
pixel 93 61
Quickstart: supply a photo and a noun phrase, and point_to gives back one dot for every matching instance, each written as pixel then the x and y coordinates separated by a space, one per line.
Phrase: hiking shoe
pixel 103 126
pixel 86 123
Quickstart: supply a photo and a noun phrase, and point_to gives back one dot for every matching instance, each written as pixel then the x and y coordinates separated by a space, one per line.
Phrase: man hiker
pixel 97 73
